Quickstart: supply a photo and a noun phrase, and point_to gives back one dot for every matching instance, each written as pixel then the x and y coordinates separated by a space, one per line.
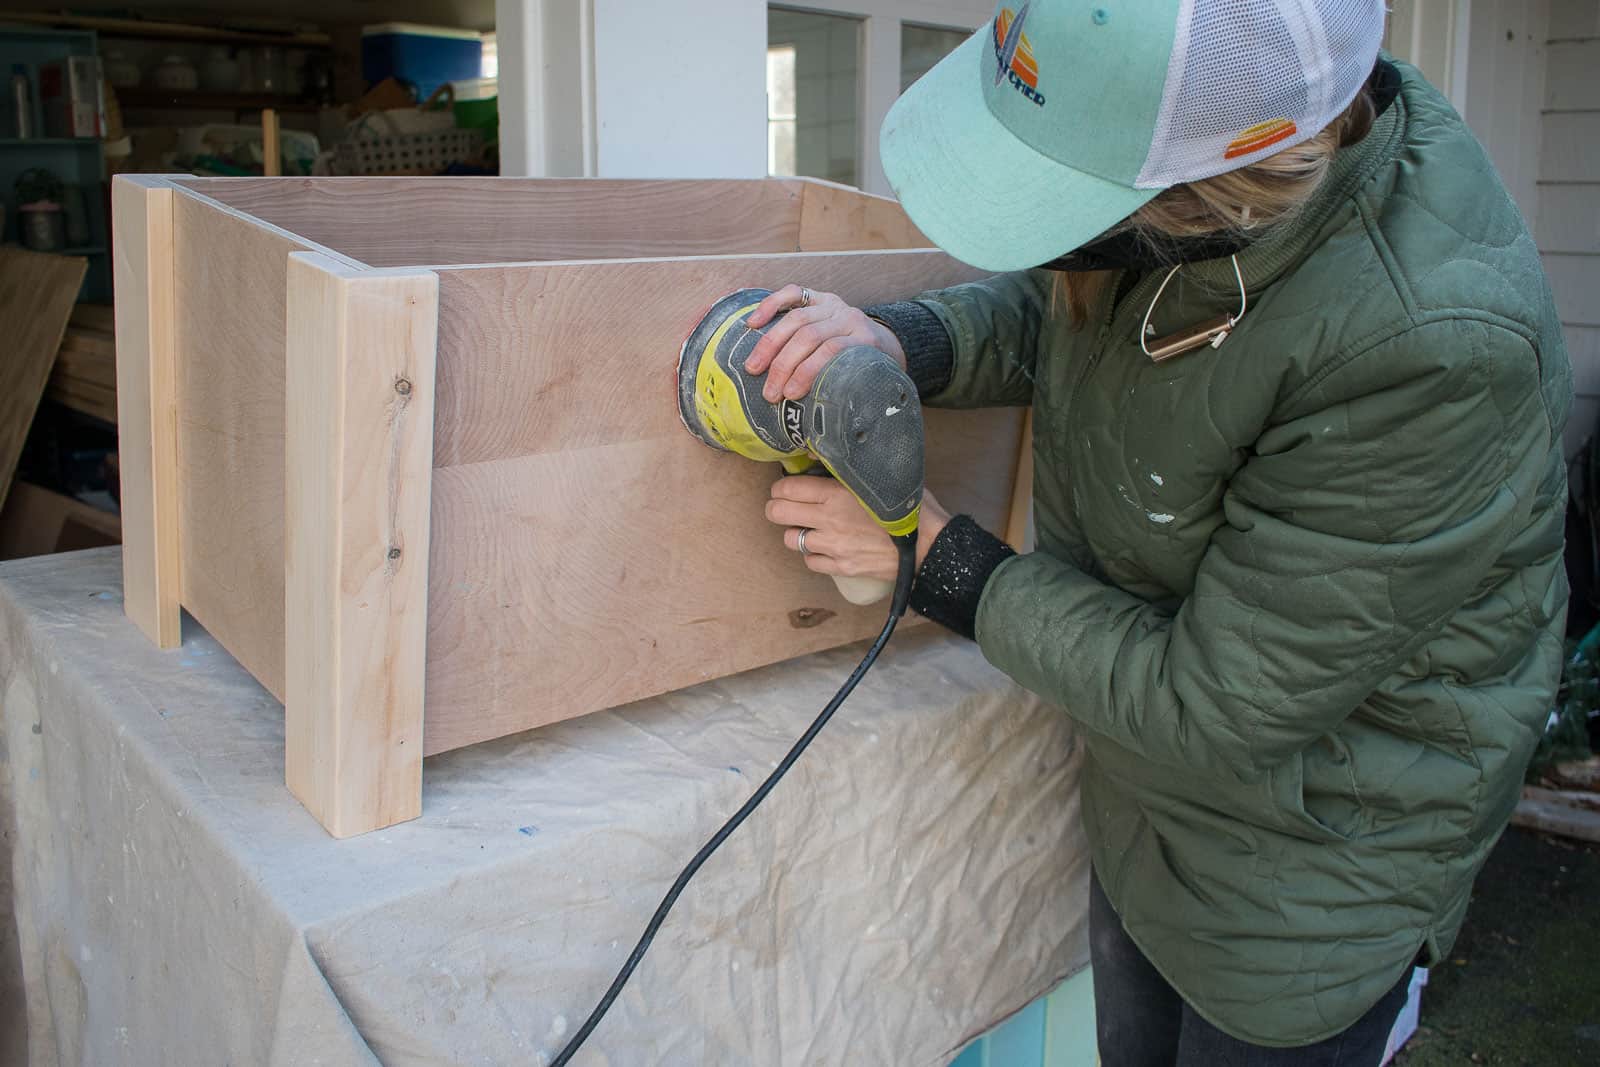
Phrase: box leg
pixel 147 404
pixel 359 463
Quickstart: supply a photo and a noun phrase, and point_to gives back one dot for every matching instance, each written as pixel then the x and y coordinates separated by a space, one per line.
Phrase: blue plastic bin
pixel 424 56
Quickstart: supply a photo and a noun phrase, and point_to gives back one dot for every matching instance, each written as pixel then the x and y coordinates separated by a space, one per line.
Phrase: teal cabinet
pixel 76 161
pixel 1057 1030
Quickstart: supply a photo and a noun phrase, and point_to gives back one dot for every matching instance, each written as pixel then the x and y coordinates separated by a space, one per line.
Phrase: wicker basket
pixel 407 153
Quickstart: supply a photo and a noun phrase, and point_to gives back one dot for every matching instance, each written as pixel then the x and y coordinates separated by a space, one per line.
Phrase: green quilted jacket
pixel 1302 593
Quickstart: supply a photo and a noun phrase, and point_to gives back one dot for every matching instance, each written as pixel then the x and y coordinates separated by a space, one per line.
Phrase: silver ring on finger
pixel 800 541
pixel 805 297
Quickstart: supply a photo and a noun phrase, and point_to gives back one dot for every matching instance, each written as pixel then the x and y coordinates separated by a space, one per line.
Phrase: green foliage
pixel 38 184
pixel 1567 736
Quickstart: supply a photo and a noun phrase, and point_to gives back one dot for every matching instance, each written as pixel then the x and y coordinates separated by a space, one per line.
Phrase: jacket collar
pixel 1272 254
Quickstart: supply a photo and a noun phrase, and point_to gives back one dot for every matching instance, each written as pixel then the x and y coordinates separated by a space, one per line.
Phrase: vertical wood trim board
pixel 359 459
pixel 147 405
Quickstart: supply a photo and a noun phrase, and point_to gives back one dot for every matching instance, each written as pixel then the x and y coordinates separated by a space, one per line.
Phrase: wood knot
pixel 806 618
pixel 403 386
pixel 394 552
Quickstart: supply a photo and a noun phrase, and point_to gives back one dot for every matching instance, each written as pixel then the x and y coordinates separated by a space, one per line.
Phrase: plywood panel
pixel 36 296
pixel 586 550
pixel 551 357
pixel 229 327
pixel 836 217
pixel 567 582
pixel 389 222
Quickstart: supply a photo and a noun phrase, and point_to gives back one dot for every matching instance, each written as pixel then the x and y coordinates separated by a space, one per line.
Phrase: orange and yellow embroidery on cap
pixel 1258 137
pixel 1013 53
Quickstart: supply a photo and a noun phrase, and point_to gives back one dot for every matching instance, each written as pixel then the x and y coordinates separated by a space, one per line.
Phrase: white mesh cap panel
pixel 1248 78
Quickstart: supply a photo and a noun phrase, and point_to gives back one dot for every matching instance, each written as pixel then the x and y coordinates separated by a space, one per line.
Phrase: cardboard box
pixel 74 104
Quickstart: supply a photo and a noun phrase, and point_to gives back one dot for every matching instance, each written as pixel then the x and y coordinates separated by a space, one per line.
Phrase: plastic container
pixel 222 72
pixel 477 105
pixel 122 72
pixel 176 74
pixel 42 226
pixel 21 102
pixel 423 56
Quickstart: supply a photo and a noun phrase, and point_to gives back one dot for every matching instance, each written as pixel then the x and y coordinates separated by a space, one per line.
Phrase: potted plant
pixel 39 217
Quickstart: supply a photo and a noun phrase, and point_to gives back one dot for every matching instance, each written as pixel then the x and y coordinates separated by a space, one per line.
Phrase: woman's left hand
pixel 841 538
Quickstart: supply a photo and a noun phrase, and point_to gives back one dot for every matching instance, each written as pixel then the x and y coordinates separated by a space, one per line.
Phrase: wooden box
pixel 409 448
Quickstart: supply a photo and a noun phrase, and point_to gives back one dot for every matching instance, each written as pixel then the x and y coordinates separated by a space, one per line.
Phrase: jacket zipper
pixel 1102 338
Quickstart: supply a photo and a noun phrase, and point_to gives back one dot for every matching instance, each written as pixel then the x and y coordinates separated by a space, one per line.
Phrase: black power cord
pixel 906 547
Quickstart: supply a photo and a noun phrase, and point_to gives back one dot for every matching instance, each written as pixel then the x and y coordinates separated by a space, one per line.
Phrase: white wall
pixel 1568 223
pixel 680 89
pixel 675 88
pixel 633 88
pixel 1505 65
pixel 1526 78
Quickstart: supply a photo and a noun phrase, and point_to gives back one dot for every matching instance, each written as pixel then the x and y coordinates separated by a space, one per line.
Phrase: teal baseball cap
pixel 1060 118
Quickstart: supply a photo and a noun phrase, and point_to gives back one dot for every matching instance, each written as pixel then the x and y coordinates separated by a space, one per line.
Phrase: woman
pixel 1300 584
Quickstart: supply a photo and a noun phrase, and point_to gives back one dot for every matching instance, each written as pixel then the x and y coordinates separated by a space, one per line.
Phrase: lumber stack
pixel 1570 806
pixel 85 374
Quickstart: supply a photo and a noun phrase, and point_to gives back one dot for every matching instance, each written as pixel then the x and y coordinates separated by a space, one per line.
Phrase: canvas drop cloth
pixel 919 875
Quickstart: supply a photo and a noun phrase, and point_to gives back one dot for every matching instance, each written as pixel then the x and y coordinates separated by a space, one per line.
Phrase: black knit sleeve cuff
pixel 930 357
pixel 957 567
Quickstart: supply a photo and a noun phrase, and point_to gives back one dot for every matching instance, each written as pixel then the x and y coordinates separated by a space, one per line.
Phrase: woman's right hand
pixel 794 351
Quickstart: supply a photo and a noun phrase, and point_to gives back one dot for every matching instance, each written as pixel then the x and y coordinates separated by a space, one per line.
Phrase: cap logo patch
pixel 1258 137
pixel 1013 54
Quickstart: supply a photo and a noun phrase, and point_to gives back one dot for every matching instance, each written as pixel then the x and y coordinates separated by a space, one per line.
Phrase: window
pixel 921 47
pixel 813 98
pixel 490 66
pixel 780 109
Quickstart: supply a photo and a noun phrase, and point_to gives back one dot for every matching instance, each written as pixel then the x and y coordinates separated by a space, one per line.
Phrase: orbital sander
pixel 861 423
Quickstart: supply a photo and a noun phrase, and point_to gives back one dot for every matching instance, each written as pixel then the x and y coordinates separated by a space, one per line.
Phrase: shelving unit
pixel 75 160
pixel 159 30
pixel 201 100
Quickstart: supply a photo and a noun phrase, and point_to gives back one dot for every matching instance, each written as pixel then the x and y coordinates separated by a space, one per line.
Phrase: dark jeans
pixel 1141 1021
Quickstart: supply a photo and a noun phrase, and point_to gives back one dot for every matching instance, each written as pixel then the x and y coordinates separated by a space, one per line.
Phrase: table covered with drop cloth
pixel 919 875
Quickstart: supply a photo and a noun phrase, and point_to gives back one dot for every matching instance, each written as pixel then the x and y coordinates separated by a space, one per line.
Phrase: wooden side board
pixel 360 380
pixel 837 218
pixel 147 405
pixel 388 222
pixel 229 344
pixel 587 550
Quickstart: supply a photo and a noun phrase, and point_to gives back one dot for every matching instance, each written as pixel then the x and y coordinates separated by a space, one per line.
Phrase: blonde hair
pixel 1237 203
